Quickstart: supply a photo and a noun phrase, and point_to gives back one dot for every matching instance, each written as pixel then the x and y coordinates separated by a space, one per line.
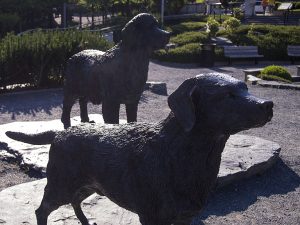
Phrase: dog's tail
pixel 43 138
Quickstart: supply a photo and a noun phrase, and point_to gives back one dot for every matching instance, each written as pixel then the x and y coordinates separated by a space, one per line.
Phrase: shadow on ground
pixel 239 196
pixel 30 103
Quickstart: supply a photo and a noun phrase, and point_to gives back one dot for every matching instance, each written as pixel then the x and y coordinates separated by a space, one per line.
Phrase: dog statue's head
pixel 218 103
pixel 143 31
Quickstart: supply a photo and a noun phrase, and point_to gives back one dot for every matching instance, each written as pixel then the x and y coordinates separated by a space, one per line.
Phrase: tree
pixel 27 13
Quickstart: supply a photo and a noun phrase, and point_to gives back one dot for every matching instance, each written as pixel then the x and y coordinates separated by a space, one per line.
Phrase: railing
pixel 84 27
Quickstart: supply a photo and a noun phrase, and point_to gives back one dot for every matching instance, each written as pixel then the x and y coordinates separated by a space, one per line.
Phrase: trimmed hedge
pixel 190 37
pixel 39 58
pixel 273 78
pixel 188 53
pixel 277 73
pixel 271 40
pixel 186 27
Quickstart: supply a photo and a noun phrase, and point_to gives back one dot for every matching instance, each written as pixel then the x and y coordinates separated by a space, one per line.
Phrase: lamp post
pixel 162 12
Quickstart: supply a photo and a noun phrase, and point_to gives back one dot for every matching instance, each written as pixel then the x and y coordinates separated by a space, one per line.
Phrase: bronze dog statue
pixel 115 77
pixel 164 171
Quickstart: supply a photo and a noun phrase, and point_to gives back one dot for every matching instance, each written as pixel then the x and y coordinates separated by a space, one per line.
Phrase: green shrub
pixel 186 27
pixel 39 58
pixel 273 78
pixel 238 13
pixel 275 73
pixel 190 37
pixel 251 29
pixel 212 26
pixel 189 53
pixel 231 24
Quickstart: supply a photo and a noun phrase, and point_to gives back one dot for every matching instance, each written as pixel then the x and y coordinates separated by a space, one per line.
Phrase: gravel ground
pixel 270 198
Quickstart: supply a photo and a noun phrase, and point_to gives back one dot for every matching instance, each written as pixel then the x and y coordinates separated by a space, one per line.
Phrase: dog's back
pixel 80 78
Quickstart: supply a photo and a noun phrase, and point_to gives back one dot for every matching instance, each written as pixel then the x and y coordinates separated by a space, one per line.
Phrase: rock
pixel 158 88
pixel 221 41
pixel 18 204
pixel 252 79
pixel 243 157
pixel 279 85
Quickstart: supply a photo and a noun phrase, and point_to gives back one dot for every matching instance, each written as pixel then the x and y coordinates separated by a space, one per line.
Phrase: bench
pixel 293 51
pixel 237 52
pixel 285 8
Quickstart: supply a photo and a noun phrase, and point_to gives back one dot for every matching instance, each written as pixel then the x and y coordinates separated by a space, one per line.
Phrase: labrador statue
pixel 162 171
pixel 115 77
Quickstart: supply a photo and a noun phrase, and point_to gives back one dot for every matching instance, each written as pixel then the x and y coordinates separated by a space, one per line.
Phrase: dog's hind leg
pixel 131 112
pixel 183 223
pixel 152 221
pixel 77 199
pixel 80 215
pixel 67 106
pixel 186 219
pixel 48 205
pixel 83 110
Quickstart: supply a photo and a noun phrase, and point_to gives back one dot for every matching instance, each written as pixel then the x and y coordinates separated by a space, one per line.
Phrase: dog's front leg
pixel 131 112
pixel 67 106
pixel 83 110
pixel 110 111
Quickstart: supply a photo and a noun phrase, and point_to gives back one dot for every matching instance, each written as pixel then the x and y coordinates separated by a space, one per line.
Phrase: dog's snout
pixel 267 105
pixel 162 38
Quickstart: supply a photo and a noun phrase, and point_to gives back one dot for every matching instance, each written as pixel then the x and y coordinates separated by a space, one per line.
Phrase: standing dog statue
pixel 163 172
pixel 115 77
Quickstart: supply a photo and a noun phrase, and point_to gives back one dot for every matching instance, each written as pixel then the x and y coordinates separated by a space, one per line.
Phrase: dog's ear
pixel 127 33
pixel 181 104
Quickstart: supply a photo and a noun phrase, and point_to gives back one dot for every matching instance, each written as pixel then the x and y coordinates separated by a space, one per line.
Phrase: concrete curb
pixel 274 84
